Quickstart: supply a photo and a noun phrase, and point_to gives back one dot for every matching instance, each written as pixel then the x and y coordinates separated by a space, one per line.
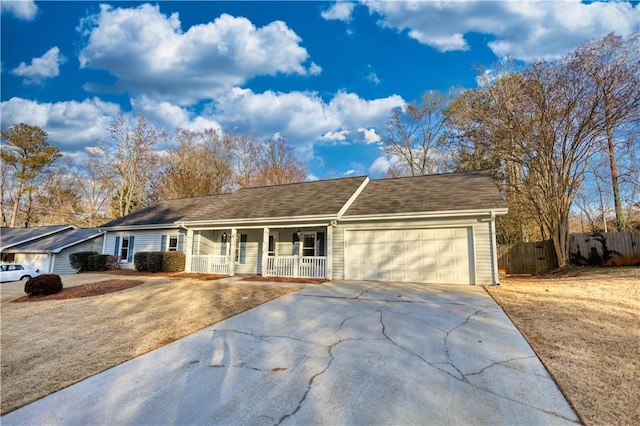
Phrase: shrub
pixel 80 260
pixel 102 262
pixel 140 261
pixel 43 285
pixel 173 261
pixel 154 261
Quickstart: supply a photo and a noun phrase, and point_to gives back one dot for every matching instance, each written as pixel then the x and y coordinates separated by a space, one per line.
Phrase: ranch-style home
pixel 426 229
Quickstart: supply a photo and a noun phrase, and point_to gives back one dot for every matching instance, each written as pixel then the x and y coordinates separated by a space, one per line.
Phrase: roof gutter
pixel 422 215
pixel 139 227
pixel 261 220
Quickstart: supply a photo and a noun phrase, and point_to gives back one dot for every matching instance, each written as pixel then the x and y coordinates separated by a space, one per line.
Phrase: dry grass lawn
pixel 50 344
pixel 585 327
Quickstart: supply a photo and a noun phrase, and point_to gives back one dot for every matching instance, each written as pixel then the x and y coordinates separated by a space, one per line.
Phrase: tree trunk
pixel 16 203
pixel 621 224
pixel 560 237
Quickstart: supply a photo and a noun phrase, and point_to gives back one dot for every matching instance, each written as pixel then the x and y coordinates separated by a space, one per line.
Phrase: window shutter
pixel 117 246
pixel 163 243
pixel 131 238
pixel 320 243
pixel 180 242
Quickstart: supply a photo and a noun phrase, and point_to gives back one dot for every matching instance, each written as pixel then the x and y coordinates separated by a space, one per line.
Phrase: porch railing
pixel 210 264
pixel 296 266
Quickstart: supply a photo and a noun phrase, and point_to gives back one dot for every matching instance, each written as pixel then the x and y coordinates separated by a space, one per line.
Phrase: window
pixel 241 249
pixel 309 244
pixel 272 245
pixel 173 244
pixel 124 249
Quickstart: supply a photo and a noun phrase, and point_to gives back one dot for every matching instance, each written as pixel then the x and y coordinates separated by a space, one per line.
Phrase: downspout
pixel 494 250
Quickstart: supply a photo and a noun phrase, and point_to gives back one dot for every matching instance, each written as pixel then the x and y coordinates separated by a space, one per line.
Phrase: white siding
pixel 484 254
pixel 143 241
pixel 250 256
pixel 61 263
pixel 338 254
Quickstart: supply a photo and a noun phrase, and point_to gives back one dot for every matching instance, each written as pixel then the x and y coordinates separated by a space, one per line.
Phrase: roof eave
pixel 426 215
pixel 262 220
pixel 139 227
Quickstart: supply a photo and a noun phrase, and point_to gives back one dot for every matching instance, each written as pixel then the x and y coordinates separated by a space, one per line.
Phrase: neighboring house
pixel 11 237
pixel 46 250
pixel 429 229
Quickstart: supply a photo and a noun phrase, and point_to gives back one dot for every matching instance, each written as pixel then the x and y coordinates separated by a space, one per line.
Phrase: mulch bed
pixel 86 290
pixel 286 280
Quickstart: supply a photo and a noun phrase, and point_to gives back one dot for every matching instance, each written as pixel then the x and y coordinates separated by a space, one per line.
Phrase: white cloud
pixel 379 166
pixel 340 11
pixel 522 30
pixel 349 172
pixel 370 135
pixel 46 66
pixel 336 136
pixel 71 124
pixel 303 118
pixel 161 60
pixel 23 9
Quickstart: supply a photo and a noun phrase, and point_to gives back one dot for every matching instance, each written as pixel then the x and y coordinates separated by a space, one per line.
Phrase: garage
pixel 431 255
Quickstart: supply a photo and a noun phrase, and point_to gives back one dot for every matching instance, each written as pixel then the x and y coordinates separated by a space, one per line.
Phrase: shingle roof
pixel 315 198
pixel 56 242
pixel 10 237
pixel 165 212
pixel 430 193
pixel 446 192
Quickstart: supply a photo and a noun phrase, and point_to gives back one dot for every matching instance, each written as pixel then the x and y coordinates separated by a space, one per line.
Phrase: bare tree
pixel 543 124
pixel 199 164
pixel 95 184
pixel 128 156
pixel 26 154
pixel 247 153
pixel 59 200
pixel 277 164
pixel 415 136
pixel 613 66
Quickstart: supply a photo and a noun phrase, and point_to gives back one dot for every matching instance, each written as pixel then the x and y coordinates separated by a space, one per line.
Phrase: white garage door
pixel 410 255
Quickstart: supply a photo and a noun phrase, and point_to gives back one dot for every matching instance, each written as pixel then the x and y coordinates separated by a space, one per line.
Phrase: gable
pixel 429 193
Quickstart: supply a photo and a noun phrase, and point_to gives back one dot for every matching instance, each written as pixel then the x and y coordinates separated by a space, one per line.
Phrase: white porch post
pixel 188 249
pixel 265 250
pixel 328 269
pixel 232 252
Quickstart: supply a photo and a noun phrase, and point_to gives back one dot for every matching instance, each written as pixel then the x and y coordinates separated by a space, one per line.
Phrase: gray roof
pixel 10 237
pixel 315 198
pixel 446 192
pixel 430 193
pixel 54 243
pixel 166 212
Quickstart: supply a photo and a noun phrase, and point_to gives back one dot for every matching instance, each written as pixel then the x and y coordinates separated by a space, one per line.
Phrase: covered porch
pixel 278 251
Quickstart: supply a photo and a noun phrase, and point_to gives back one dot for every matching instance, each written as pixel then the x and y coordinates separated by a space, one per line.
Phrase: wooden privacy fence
pixel 526 258
pixel 534 258
pixel 625 246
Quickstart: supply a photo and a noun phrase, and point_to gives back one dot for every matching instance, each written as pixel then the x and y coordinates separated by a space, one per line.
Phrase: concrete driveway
pixel 340 353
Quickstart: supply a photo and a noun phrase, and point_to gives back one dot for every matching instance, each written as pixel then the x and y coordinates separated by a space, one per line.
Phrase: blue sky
pixel 324 75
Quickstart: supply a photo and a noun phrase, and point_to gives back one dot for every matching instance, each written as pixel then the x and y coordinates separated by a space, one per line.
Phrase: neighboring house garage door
pixel 439 256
